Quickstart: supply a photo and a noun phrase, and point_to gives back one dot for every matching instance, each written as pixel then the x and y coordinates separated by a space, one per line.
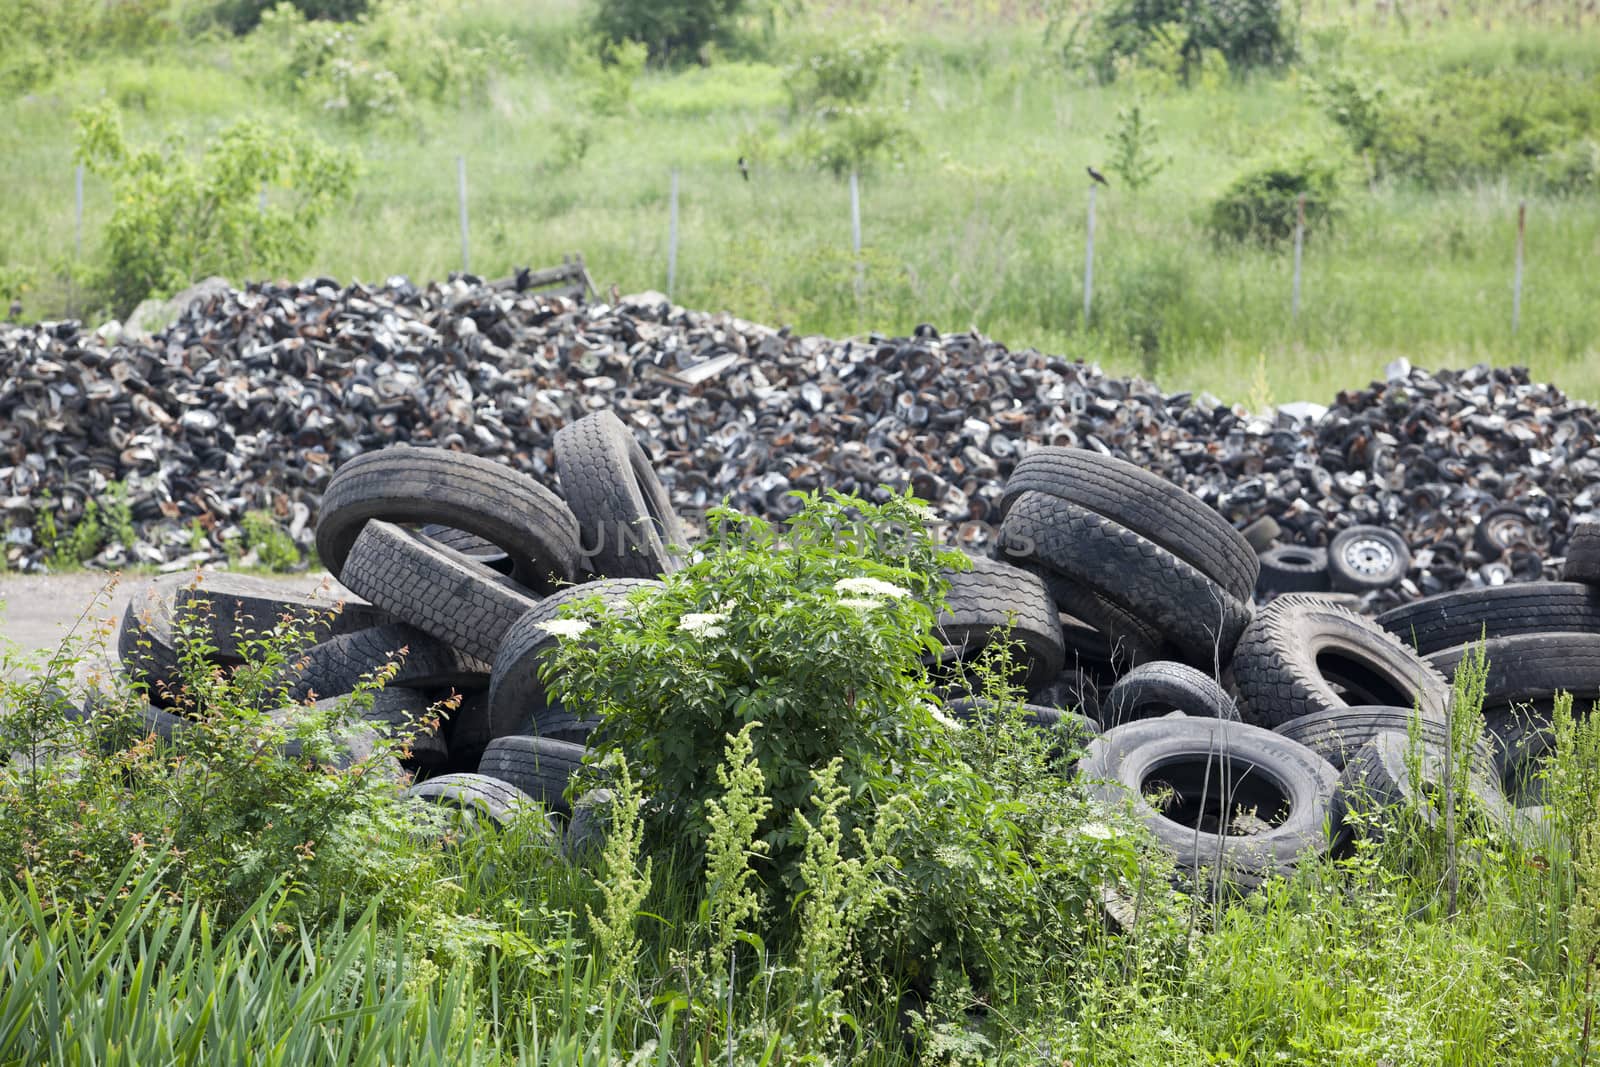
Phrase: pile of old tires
pixel 1243 718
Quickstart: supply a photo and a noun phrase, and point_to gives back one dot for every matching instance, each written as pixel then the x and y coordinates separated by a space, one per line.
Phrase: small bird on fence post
pixel 16 311
pixel 744 168
pixel 1095 175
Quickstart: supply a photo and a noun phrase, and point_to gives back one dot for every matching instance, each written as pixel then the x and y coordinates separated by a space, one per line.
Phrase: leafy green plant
pixel 242 16
pixel 270 542
pixel 674 31
pixel 1247 33
pixel 178 218
pixel 609 70
pixel 1261 204
pixel 225 806
pixel 816 630
pixel 1133 147
pixel 832 90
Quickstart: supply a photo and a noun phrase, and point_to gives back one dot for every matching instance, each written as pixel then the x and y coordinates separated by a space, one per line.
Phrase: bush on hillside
pixel 242 16
pixel 178 218
pixel 1261 204
pixel 1247 33
pixel 675 31
pixel 1467 125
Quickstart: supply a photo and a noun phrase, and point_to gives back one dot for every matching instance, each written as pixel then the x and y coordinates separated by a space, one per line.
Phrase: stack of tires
pixel 1244 736
pixel 451 563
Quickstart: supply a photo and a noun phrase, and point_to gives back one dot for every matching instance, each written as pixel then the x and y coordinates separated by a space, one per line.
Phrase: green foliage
pixel 833 90
pixel 1143 303
pixel 1458 125
pixel 272 544
pixel 178 218
pixel 379 67
pixel 1261 205
pixel 674 31
pixel 170 983
pixel 1572 800
pixel 1133 151
pixel 224 809
pixel 609 69
pixel 242 16
pixel 41 38
pixel 1246 33
pixel 1005 856
pixel 816 630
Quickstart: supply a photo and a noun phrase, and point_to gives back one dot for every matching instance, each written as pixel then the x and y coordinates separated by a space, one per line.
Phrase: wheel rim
pixel 1369 557
pixel 1507 530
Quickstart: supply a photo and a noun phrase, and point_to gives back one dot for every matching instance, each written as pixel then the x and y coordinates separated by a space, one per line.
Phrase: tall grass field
pixel 974 217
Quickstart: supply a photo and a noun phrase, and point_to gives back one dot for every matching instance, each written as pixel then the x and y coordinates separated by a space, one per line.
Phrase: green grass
pixel 982 227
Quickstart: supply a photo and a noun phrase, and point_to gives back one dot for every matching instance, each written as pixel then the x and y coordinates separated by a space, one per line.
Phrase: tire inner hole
pixel 1237 798
pixel 1361 683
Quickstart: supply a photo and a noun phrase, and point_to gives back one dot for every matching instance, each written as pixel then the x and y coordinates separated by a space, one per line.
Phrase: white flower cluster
pixel 564 627
pixel 860 603
pixel 703 623
pixel 871 587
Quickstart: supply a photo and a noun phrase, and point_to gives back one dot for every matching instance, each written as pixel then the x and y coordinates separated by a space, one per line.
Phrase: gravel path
pixel 38 612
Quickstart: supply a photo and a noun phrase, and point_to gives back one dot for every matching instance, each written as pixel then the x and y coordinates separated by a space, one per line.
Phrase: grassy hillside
pixel 979 222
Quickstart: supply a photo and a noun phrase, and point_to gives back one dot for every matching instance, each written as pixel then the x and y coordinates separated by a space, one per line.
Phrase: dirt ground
pixel 38 612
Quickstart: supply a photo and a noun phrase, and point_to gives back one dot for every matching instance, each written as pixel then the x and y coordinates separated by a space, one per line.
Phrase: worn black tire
pixel 1152 507
pixel 1582 563
pixel 1265 771
pixel 1190 610
pixel 1379 775
pixel 470 545
pixel 1526 668
pixel 505 507
pixel 1337 733
pixel 1074 689
pixel 1120 638
pixel 518 700
pixel 1260 533
pixel 225 611
pixel 1501 528
pixel 539 766
pixel 339 665
pixel 1293 569
pixel 404 714
pixel 464 604
pixel 466 730
pixel 589 822
pixel 1364 558
pixel 235 608
pixel 627 527
pixel 1299 646
pixel 1154 689
pixel 476 795
pixel 994 601
pixel 147 639
pixel 1445 620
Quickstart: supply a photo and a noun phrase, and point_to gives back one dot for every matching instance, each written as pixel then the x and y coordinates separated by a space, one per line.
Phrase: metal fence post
pixel 1088 261
pixel 672 237
pixel 1516 279
pixel 1299 249
pixel 461 200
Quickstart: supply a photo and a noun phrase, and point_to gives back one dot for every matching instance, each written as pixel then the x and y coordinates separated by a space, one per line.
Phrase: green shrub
pixel 1468 124
pixel 1261 204
pixel 832 91
pixel 178 218
pixel 242 16
pixel 224 810
pixel 1134 157
pixel 675 31
pixel 1247 33
pixel 379 67
pixel 270 542
pixel 783 626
